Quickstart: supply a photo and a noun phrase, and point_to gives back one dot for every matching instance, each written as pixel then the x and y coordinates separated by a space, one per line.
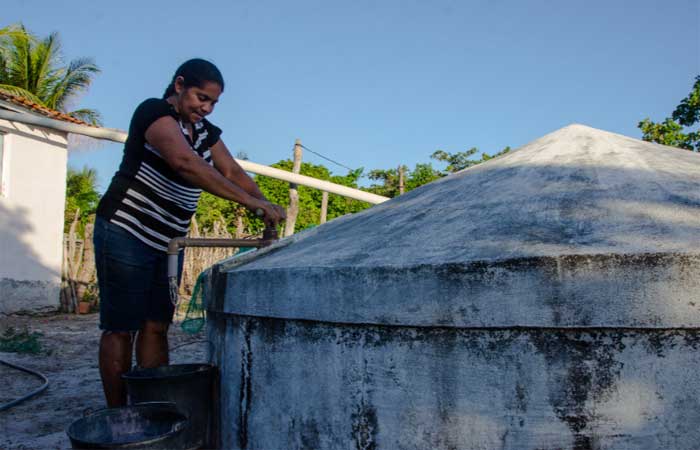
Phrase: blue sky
pixel 377 83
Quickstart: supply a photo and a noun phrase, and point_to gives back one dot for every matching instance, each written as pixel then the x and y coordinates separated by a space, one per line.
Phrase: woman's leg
pixel 152 339
pixel 124 273
pixel 152 344
pixel 114 360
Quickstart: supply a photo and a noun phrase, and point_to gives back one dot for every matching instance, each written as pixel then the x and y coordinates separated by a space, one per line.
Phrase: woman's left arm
pixel 229 168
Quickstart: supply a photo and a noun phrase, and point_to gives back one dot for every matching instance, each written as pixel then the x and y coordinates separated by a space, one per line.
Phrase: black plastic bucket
pixel 188 385
pixel 157 425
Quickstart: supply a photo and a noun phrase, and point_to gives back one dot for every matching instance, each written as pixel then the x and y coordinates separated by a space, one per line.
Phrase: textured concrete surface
pixel 21 296
pixel 308 385
pixel 546 299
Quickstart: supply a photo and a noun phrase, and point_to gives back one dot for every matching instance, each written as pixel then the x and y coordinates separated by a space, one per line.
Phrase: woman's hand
pixel 280 211
pixel 271 214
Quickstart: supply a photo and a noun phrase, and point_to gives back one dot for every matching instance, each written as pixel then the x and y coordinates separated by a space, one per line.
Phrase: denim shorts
pixel 133 279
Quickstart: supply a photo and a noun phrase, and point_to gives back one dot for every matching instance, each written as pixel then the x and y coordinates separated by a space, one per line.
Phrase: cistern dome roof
pixel 581 227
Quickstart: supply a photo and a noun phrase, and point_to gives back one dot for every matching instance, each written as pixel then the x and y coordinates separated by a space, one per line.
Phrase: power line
pixel 327 159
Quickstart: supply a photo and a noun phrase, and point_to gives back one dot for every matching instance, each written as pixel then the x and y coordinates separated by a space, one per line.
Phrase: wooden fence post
pixel 73 263
pixel 324 207
pixel 293 209
pixel 86 274
pixel 239 224
pixel 66 295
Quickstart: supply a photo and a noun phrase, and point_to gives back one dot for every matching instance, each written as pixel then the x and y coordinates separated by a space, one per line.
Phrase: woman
pixel 171 155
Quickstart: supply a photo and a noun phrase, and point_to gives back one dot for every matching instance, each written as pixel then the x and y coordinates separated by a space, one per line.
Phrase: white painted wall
pixel 32 205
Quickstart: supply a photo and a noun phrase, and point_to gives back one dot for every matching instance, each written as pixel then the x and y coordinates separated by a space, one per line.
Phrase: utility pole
pixel 293 209
pixel 402 186
pixel 324 207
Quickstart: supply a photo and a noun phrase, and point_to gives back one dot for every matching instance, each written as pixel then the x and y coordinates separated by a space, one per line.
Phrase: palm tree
pixel 31 68
pixel 81 194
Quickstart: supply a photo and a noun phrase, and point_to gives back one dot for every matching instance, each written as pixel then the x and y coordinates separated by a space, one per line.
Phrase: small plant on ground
pixel 20 341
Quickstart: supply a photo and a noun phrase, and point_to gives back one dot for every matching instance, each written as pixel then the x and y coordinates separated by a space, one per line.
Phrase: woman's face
pixel 194 103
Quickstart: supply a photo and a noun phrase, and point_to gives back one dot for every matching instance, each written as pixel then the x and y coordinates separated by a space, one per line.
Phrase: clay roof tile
pixel 35 107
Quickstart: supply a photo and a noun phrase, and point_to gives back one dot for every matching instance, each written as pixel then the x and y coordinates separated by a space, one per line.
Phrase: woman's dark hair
pixel 195 72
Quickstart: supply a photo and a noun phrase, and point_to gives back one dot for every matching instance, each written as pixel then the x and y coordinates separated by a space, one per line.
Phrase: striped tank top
pixel 146 197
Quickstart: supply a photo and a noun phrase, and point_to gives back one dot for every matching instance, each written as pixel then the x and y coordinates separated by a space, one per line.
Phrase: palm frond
pixel 76 79
pixel 7 36
pixel 42 75
pixel 32 68
pixel 18 60
pixel 90 116
pixel 87 174
pixel 15 30
pixel 20 92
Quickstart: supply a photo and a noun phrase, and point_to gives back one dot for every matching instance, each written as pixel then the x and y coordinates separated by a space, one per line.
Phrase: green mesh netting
pixel 195 316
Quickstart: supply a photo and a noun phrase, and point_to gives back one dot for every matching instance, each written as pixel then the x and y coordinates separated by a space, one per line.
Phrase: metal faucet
pixel 269 236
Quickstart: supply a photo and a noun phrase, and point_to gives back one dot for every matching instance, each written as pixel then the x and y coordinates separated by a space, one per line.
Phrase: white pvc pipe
pixel 115 135
pixel 323 185
pixel 109 134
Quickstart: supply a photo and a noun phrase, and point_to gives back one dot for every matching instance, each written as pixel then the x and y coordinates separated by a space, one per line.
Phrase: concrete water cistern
pixel 545 299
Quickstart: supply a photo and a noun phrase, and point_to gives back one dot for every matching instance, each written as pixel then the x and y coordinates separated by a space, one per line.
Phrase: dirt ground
pixel 69 360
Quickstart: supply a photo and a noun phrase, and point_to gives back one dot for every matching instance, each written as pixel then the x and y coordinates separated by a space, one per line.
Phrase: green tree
pixel 486 156
pixel 277 191
pixel 421 174
pixel 424 173
pixel 674 130
pixel 31 68
pixel 388 182
pixel 81 193
pixel 462 160
pixel 456 161
pixel 212 208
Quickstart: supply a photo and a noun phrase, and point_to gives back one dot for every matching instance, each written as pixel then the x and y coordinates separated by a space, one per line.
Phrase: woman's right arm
pixel 165 135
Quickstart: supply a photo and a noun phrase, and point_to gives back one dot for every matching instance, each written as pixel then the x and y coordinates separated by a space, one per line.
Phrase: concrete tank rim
pixel 649 290
pixel 232 265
